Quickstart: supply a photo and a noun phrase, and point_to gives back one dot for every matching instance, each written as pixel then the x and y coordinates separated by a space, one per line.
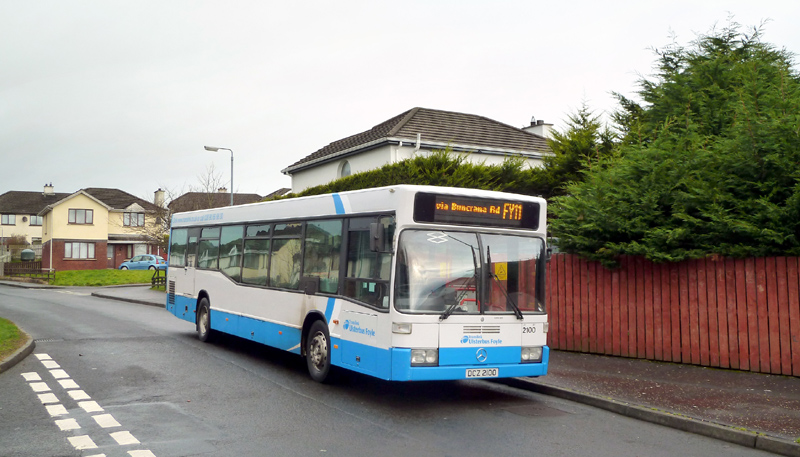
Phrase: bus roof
pixel 372 200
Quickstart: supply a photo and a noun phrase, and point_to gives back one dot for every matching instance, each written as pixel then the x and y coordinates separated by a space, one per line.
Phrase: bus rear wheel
pixel 318 352
pixel 203 320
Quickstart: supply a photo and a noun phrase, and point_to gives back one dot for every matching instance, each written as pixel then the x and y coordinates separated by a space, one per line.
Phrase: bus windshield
pixel 444 272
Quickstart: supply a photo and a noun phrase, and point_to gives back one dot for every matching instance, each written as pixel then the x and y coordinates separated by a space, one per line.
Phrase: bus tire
pixel 318 352
pixel 204 331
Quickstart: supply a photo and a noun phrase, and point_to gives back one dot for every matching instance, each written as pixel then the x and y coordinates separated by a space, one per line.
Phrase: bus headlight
pixel 424 357
pixel 532 354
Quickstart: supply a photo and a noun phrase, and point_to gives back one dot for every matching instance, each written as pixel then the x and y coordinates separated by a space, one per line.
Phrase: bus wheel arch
pixel 203 317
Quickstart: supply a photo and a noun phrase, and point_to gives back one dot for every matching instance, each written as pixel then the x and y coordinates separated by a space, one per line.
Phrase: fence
pixel 729 313
pixel 29 270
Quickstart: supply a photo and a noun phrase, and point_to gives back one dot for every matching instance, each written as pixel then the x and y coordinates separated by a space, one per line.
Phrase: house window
pixel 81 216
pixel 8 219
pixel 344 170
pixel 133 219
pixel 36 220
pixel 78 250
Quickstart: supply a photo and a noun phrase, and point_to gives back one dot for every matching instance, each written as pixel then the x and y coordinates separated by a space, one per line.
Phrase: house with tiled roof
pixel 193 201
pixel 96 228
pixel 19 213
pixel 419 131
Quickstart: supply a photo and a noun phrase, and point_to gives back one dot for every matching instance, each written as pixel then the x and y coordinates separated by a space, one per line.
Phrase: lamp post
pixel 213 149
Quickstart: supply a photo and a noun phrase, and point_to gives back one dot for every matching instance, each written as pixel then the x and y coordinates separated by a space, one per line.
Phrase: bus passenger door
pixel 184 279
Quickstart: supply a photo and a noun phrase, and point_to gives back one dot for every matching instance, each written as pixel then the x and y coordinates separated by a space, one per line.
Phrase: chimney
pixel 158 198
pixel 48 190
pixel 222 190
pixel 539 127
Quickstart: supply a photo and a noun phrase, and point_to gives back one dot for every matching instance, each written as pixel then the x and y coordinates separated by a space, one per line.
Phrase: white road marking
pixel 39 386
pixel 124 438
pixel 106 421
pixel 72 293
pixel 82 442
pixel 144 453
pixel 32 376
pixel 90 406
pixel 68 384
pixel 50 364
pixel 78 395
pixel 59 374
pixel 48 398
pixel 56 410
pixel 68 424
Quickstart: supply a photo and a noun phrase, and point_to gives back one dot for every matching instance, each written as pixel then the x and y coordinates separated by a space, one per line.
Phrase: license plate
pixel 482 372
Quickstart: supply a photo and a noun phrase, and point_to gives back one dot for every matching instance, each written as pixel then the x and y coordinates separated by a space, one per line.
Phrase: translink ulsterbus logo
pixel 355 327
pixel 479 340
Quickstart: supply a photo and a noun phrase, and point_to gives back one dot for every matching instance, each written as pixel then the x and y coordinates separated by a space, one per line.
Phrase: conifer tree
pixel 709 163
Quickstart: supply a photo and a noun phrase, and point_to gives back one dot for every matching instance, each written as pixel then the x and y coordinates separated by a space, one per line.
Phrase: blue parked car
pixel 144 262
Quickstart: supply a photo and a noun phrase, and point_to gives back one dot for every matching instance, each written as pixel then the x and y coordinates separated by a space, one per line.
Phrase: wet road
pixel 133 380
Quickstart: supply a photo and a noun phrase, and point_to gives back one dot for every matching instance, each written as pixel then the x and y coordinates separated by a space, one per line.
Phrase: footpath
pixel 750 409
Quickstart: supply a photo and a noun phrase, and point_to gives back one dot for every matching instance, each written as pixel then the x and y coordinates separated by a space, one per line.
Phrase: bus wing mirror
pixel 376 237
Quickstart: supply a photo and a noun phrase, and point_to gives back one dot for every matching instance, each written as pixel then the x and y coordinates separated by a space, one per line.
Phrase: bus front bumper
pixel 403 371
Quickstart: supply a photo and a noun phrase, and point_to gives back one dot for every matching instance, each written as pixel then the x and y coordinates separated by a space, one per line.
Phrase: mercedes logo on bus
pixel 481 355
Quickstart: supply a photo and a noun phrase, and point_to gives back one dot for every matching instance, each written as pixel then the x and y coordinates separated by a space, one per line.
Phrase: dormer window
pixel 133 219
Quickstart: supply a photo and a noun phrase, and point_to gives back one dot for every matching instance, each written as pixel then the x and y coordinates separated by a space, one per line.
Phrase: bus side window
pixel 230 254
pixel 191 249
pixel 322 249
pixel 368 271
pixel 177 248
pixel 208 252
pixel 284 259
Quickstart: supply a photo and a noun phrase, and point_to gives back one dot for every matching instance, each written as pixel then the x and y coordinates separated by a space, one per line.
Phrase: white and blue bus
pixel 401 283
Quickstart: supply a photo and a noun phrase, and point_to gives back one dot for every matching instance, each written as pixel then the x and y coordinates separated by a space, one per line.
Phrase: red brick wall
pixel 62 264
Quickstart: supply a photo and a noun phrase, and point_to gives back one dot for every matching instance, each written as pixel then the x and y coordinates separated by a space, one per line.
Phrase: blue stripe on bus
pixel 390 364
pixel 337 203
pixel 269 333
pixel 329 308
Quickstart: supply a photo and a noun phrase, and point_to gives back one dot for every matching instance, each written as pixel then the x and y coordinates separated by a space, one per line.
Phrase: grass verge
pixel 102 277
pixel 11 338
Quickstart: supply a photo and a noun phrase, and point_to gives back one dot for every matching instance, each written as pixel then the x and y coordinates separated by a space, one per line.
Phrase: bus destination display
pixel 461 210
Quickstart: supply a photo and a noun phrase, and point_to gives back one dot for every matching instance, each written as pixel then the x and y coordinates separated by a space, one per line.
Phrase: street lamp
pixel 213 149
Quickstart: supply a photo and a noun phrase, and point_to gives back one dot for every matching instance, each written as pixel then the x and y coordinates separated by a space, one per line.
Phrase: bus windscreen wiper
pixel 500 285
pixel 450 309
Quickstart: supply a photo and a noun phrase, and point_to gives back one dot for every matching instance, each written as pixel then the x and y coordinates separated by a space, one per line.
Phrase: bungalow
pixel 420 131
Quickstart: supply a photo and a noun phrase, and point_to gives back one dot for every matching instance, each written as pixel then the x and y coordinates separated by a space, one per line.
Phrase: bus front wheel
pixel 318 352
pixel 203 321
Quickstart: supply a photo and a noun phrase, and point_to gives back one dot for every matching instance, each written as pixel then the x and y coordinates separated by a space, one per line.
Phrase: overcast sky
pixel 126 94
